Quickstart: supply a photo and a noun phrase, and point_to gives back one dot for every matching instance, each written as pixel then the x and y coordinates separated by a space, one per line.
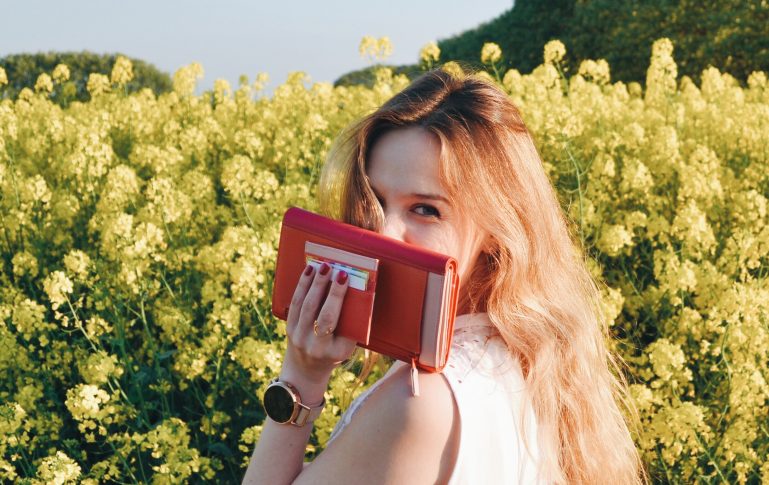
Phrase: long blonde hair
pixel 532 280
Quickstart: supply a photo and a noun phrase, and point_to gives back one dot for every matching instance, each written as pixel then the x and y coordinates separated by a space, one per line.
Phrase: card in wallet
pixel 401 300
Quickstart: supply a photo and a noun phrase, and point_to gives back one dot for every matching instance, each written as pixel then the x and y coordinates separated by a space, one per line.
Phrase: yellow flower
pixel 614 237
pixel 636 178
pixel 57 286
pixel 554 52
pixel 97 326
pixel 756 80
pixel 26 94
pixel 612 302
pixel 378 49
pixel 642 396
pixel 367 46
pixel 3 77
pixel 490 53
pixel 99 367
pixel 122 71
pixel 77 262
pixel 662 72
pixel 597 71
pixel 61 73
pixel 261 81
pixel 512 79
pixel 24 264
pixel 384 47
pixel 691 226
pixel 483 75
pixel 260 359
pixel 29 318
pixel 668 362
pixel 97 84
pixel 240 179
pixel 678 430
pixel 84 401
pixel 186 78
pixel 453 68
pixel 429 53
pixel 248 439
pixel 170 443
pixel 58 469
pixel 44 84
pixel 222 90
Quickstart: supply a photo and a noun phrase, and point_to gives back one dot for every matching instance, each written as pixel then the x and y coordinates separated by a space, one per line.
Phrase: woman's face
pixel 403 170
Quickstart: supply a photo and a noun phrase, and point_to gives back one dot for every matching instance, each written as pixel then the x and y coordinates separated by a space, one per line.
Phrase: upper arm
pixel 394 437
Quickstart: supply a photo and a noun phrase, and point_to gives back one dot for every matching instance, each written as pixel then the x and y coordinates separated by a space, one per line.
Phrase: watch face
pixel 278 403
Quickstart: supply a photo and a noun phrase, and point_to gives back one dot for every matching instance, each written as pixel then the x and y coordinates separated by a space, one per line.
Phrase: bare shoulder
pixel 394 437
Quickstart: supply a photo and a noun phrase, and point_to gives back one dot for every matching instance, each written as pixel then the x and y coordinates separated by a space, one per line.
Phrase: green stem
pixel 125 358
pixel 154 350
pixel 112 383
pixel 711 458
pixel 168 287
pixel 261 321
pixel 119 455
pixel 245 211
pixel 579 192
pixel 26 465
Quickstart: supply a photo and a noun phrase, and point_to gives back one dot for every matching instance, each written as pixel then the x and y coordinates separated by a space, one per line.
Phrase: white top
pixel 488 387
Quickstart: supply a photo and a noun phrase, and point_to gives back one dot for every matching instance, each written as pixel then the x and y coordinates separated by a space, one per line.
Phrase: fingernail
pixel 341 277
pixel 308 270
pixel 324 268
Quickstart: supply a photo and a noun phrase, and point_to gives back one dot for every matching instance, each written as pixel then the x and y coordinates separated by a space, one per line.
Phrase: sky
pixel 234 37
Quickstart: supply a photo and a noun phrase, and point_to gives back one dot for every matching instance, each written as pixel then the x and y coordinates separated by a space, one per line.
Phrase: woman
pixel 528 395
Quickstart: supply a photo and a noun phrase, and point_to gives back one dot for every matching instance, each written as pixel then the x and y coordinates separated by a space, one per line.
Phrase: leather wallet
pixel 407 305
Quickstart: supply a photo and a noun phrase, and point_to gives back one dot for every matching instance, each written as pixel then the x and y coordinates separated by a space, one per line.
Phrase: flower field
pixel 139 237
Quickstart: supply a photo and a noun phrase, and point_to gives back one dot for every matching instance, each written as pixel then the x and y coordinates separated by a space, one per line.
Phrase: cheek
pixel 447 242
pixel 447 239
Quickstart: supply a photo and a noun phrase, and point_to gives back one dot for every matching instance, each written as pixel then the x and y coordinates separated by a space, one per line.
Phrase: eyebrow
pixel 416 194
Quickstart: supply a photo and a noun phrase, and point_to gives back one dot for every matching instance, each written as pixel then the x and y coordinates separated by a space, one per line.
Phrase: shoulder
pixel 478 350
pixel 395 437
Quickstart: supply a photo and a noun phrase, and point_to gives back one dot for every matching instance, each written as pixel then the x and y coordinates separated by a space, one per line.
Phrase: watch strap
pixel 308 414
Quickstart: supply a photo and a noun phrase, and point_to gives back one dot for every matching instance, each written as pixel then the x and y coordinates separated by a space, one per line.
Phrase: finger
pixel 332 307
pixel 341 348
pixel 302 287
pixel 313 301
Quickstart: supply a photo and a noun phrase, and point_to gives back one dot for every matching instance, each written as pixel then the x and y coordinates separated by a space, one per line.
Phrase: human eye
pixel 427 211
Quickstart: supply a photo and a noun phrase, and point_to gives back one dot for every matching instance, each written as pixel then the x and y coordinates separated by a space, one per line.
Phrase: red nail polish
pixel 308 270
pixel 341 278
pixel 324 268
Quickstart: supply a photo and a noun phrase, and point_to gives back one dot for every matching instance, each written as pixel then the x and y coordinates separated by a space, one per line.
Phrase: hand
pixel 313 350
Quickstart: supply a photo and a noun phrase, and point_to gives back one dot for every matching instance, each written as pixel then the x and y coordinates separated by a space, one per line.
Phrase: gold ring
pixel 315 328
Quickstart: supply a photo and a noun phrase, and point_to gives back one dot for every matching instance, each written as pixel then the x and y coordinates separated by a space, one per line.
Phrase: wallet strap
pixel 414 377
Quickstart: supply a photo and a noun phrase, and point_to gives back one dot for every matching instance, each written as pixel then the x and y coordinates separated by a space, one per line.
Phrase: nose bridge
pixel 393 226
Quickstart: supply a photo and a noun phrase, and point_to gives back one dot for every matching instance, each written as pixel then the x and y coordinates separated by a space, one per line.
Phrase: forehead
pixel 405 160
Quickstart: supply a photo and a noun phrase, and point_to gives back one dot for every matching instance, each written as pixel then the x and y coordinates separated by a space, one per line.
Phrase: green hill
pixel 22 71
pixel 732 35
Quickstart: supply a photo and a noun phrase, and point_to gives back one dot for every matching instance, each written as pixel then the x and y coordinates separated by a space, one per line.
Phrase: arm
pixel 307 365
pixel 279 454
pixel 394 437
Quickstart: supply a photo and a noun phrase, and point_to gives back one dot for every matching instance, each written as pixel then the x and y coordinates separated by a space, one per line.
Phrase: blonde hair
pixel 532 280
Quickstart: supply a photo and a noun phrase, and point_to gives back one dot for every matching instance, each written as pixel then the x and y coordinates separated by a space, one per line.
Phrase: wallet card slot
pixel 355 315
pixel 398 314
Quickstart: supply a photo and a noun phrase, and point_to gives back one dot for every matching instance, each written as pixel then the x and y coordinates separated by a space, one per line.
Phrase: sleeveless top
pixel 488 388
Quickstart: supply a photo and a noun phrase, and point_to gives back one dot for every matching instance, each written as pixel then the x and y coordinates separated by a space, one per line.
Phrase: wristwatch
pixel 283 405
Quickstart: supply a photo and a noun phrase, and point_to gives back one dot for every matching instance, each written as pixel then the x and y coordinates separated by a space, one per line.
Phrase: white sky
pixel 234 37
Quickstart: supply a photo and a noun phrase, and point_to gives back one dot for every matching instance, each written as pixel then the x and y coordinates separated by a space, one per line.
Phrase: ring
pixel 315 328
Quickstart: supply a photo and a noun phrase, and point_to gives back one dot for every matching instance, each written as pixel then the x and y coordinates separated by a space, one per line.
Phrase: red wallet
pixel 405 297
